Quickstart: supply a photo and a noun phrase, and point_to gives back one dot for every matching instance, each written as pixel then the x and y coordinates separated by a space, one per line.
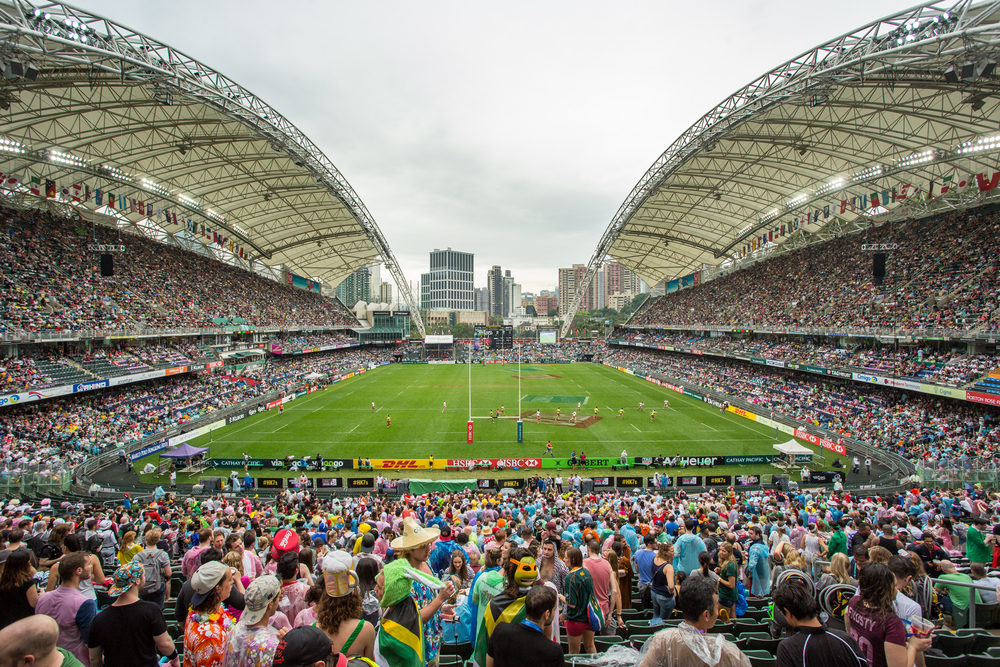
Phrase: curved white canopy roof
pixel 850 114
pixel 132 114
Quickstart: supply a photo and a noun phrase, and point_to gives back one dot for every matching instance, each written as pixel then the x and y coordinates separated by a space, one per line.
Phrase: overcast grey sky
pixel 513 130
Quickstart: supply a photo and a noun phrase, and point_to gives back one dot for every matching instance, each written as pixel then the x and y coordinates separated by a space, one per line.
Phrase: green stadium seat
pixel 760 658
pixel 953 645
pixel 982 660
pixel 947 661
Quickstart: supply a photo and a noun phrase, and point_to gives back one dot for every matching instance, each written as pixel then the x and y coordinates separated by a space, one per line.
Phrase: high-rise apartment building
pixel 495 285
pixel 385 293
pixel 451 280
pixel 569 280
pixel 483 299
pixel 425 291
pixel 357 286
pixel 618 279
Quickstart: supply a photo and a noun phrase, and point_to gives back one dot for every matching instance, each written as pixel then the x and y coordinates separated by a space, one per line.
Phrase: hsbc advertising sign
pixel 821 442
pixel 495 463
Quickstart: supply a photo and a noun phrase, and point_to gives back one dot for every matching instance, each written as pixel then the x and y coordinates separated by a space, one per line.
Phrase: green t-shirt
pixel 727 594
pixel 69 660
pixel 959 594
pixel 976 549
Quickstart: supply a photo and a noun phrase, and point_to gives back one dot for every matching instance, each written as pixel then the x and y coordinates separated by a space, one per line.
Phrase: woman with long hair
pixel 624 570
pixel 727 580
pixel 340 618
pixel 460 568
pixel 18 593
pixel 367 571
pixel 614 588
pixel 873 624
pixel 579 588
pixel 663 585
pixel 836 572
pixel 128 548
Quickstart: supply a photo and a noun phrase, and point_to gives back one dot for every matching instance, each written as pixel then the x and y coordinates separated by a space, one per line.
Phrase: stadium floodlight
pixel 951 74
pixel 31 72
pixel 797 200
pixel 116 173
pixel 66 158
pixel 917 158
pixel 184 199
pixel 11 146
pixel 155 188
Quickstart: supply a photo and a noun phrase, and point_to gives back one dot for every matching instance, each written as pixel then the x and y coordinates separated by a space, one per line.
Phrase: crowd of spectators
pixel 942 276
pixel 917 426
pixel 927 364
pixel 532 352
pixel 49 281
pixel 71 428
pixel 248 577
pixel 293 341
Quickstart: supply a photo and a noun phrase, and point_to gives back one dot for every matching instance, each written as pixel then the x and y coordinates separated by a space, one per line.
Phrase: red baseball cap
pixel 285 540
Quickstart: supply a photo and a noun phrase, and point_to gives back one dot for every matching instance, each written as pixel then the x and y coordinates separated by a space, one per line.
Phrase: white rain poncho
pixel 685 646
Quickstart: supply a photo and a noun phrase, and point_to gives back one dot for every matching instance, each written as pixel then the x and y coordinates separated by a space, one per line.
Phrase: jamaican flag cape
pixel 400 641
pixel 502 609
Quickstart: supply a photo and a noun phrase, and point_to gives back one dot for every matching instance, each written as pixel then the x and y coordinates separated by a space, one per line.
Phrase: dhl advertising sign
pixel 401 464
pixel 743 413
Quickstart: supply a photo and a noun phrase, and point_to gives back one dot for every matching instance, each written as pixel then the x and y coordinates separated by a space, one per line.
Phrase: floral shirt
pixel 251 646
pixel 205 638
pixel 423 595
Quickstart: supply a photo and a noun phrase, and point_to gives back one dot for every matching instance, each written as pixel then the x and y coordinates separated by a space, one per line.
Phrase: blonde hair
pixel 839 568
pixel 879 555
pixel 795 559
pixel 233 559
pixel 727 549
pixel 153 536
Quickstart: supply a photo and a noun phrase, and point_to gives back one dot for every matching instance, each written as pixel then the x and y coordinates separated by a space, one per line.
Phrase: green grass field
pixel 339 423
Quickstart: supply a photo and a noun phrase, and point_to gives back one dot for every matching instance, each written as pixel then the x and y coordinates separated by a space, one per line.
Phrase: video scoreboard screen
pixel 547 337
pixel 494 337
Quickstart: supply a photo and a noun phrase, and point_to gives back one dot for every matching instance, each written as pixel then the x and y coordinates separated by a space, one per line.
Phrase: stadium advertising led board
pixel 547 337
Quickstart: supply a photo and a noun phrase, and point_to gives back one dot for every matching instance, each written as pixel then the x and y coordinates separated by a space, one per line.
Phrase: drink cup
pixel 921 627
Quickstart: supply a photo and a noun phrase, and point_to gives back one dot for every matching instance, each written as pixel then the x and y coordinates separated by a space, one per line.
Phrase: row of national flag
pixel 948 186
pixel 81 192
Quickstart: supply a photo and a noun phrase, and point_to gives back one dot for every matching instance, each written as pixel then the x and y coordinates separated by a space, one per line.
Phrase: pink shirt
pixel 600 571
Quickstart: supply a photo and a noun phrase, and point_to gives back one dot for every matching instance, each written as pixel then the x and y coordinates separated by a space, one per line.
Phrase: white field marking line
pixel 507 442
pixel 400 393
pixel 352 430
pixel 709 427
pixel 278 429
pixel 635 427
pixel 273 414
pixel 380 408
pixel 609 408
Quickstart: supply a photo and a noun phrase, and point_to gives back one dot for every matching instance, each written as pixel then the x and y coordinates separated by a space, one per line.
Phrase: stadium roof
pixel 87 99
pixel 895 100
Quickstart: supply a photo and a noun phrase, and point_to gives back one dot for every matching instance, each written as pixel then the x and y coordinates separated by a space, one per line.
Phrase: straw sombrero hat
pixel 414 535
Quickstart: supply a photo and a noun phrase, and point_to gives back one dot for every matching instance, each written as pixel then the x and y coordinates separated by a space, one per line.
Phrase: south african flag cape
pixel 502 609
pixel 400 641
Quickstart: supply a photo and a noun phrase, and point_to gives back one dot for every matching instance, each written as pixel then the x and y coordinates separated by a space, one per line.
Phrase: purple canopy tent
pixel 185 451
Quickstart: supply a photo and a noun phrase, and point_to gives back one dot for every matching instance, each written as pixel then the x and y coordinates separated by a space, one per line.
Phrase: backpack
pixel 154 574
pixel 94 543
